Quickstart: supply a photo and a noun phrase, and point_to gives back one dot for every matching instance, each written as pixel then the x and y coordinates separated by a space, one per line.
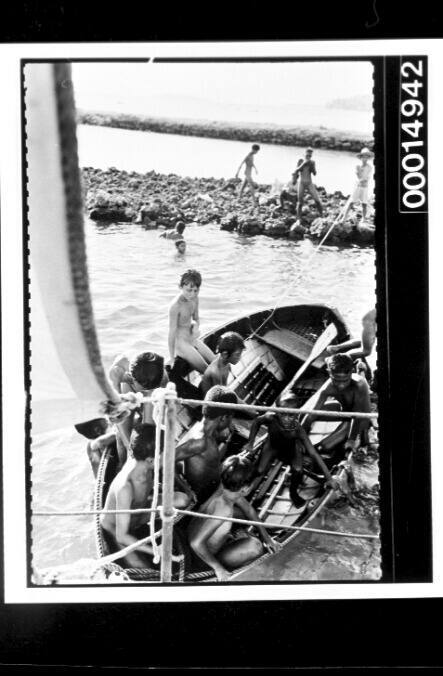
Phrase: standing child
pixel 184 324
pixel 249 165
pixel 306 169
pixel 360 194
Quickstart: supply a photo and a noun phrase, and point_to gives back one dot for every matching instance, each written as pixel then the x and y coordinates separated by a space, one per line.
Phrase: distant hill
pixel 360 102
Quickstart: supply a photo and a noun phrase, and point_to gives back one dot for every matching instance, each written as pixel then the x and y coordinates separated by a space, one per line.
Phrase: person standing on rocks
pixel 249 165
pixel 360 194
pixel 305 169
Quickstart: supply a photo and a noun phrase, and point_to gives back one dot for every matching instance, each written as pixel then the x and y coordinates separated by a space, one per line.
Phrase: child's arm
pixel 195 314
pixel 318 459
pixel 252 515
pixel 173 322
pixel 265 419
pixel 199 540
pixel 207 380
pixel 313 168
pixel 238 170
pixel 189 448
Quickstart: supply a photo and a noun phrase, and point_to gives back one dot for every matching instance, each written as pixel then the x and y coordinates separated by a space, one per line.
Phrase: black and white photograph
pixel 207 337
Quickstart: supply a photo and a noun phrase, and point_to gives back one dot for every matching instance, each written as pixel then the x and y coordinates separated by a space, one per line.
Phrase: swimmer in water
pixel 177 233
pixel 249 165
pixel 184 325
pixel 180 245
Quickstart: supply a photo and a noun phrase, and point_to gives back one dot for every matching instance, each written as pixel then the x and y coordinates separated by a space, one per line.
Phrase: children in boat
pixel 352 393
pixel 184 325
pixel 144 373
pixel 177 233
pixel 249 166
pixel 214 540
pixel 289 442
pixel 132 489
pixel 230 348
pixel 203 454
pixel 305 170
pixel 361 189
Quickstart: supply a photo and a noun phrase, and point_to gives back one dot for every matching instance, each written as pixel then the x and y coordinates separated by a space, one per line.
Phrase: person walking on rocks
pixel 249 165
pixel 305 169
pixel 360 194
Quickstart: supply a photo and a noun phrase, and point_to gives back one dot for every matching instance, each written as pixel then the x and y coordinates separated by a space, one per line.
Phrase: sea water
pixel 134 275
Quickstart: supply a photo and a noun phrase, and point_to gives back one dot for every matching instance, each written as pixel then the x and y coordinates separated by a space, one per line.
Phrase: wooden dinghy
pixel 279 345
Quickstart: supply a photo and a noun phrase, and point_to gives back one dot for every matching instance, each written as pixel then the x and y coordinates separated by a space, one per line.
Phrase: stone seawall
pixel 317 137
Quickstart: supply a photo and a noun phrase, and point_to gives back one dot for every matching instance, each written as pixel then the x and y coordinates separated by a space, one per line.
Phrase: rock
pixel 275 228
pixel 249 226
pixel 297 231
pixel 364 234
pixel 229 223
pixel 111 214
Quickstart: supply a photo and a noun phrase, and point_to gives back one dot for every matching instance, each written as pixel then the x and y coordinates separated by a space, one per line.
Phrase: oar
pixel 319 346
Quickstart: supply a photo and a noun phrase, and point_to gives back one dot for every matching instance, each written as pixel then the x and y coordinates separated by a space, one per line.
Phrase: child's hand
pixel 222 574
pixel 350 445
pixel 273 546
pixel 332 483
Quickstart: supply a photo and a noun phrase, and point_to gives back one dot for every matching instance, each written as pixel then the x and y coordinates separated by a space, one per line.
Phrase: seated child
pixel 144 373
pixel 184 324
pixel 230 348
pixel 132 488
pixel 212 540
pixel 203 454
pixel 352 393
pixel 289 442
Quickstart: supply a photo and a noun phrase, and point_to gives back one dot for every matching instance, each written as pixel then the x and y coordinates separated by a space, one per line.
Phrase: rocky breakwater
pixel 287 135
pixel 156 200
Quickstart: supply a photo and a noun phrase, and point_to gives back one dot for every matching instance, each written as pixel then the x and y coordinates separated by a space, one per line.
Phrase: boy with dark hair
pixel 305 170
pixel 352 393
pixel 144 373
pixel 289 442
pixel 184 324
pixel 249 165
pixel 132 489
pixel 177 233
pixel 180 245
pixel 212 539
pixel 229 348
pixel 202 454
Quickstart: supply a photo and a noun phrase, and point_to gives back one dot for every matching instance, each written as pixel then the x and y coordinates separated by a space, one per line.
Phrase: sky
pixel 111 86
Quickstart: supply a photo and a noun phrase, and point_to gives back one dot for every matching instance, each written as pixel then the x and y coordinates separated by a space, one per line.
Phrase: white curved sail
pixel 67 378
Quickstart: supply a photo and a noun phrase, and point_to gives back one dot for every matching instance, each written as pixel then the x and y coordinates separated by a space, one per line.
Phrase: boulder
pixel 297 231
pixel 276 228
pixel 229 222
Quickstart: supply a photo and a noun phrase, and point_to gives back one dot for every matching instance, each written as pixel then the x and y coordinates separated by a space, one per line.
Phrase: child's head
pixel 365 154
pixel 142 442
pixel 221 395
pixel 255 148
pixel 180 245
pixel 231 346
pixel 287 400
pixel 190 283
pixel 236 472
pixel 180 227
pixel 309 152
pixel 340 367
pixel 146 370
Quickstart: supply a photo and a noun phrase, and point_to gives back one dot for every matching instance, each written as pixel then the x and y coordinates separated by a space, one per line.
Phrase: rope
pixel 298 276
pixel 277 525
pixel 158 398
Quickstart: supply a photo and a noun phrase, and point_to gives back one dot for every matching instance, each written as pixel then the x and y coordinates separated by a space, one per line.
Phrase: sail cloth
pixel 68 381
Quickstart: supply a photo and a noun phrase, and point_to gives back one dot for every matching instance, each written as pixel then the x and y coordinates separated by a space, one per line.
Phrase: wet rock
pixel 111 214
pixel 229 223
pixel 276 228
pixel 297 231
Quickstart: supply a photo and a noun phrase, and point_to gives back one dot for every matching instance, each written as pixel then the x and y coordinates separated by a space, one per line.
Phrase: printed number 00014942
pixel 412 151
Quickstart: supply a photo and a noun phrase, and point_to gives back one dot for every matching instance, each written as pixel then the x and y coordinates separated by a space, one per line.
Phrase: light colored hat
pixel 365 152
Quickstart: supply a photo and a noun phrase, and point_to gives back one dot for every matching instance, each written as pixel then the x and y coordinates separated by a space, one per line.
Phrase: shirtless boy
pixel 177 233
pixel 184 325
pixel 180 246
pixel 289 442
pixel 290 192
pixel 352 392
pixel 305 169
pixel 203 455
pixel 144 373
pixel 132 489
pixel 364 346
pixel 212 540
pixel 249 165
pixel 230 348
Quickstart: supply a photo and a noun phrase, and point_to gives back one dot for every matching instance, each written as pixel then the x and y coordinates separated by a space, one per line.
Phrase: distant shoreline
pixel 317 137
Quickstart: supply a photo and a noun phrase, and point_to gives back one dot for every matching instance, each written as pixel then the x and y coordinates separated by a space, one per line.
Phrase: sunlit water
pixel 142 151
pixel 134 275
